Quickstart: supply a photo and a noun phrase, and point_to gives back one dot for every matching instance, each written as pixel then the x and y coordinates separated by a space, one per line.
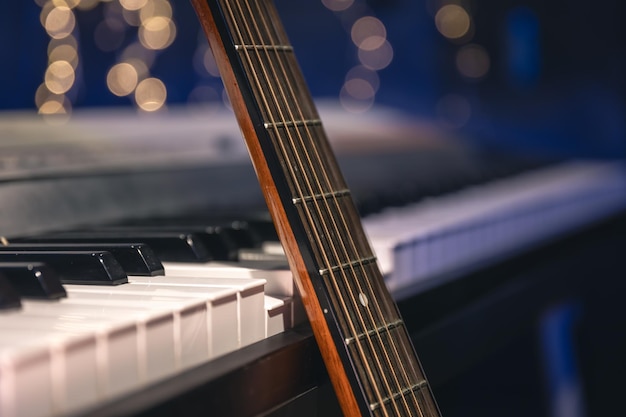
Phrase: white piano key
pixel 26 373
pixel 278 277
pixel 123 334
pixel 79 360
pixel 117 351
pixel 189 318
pixel 80 312
pixel 77 356
pixel 250 299
pixel 220 309
pixel 278 315
pixel 273 248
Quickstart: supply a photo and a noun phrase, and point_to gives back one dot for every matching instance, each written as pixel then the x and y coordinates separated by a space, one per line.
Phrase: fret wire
pixel 307 182
pixel 402 393
pixel 308 122
pixel 284 48
pixel 377 331
pixel 346 265
pixel 321 196
pixel 344 248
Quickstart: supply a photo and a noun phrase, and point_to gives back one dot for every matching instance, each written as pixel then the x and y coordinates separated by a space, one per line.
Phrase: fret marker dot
pixel 363 299
pixel 325 311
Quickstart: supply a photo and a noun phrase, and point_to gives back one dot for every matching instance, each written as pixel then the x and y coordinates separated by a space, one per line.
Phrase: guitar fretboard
pixel 288 139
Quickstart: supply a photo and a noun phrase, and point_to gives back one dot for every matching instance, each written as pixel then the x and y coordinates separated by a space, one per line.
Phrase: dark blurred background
pixel 524 74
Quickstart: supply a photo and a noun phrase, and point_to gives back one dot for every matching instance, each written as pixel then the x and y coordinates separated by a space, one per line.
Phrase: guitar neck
pixel 362 338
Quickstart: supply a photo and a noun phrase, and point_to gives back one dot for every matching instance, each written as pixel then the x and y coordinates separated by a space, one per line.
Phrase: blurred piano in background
pixel 484 143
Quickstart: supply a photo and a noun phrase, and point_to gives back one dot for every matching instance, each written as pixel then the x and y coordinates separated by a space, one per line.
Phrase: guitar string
pixel 316 155
pixel 368 282
pixel 336 228
pixel 303 146
pixel 291 169
pixel 409 354
pixel 285 153
pixel 308 184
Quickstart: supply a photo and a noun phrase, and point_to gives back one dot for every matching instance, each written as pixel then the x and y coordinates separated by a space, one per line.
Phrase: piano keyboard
pixel 421 244
pixel 105 341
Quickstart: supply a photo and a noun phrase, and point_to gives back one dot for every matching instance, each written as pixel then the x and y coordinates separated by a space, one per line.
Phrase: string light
pixel 58 20
pixel 154 29
pixel 130 75
pixel 471 60
pixel 374 53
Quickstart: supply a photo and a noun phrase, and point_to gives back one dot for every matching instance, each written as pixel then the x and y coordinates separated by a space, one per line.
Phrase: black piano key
pixel 217 240
pixel 135 258
pixel 168 246
pixel 220 241
pixel 230 240
pixel 246 230
pixel 75 267
pixel 241 233
pixel 262 229
pixel 237 233
pixel 33 280
pixel 9 297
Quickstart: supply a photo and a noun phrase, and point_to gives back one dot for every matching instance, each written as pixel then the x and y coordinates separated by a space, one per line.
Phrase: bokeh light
pixel 59 22
pixel 69 40
pixel 156 8
pixel 364 73
pixel 64 52
pixel 150 94
pixel 377 59
pixel 133 4
pixel 140 66
pixel 149 22
pixel 337 5
pixel 59 77
pixel 453 21
pixel 359 89
pixel 368 33
pixel 137 51
pixel 122 79
pixel 56 109
pixel 472 61
pixel 157 32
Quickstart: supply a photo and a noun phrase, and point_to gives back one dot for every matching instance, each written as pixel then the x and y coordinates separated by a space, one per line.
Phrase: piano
pixel 477 247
